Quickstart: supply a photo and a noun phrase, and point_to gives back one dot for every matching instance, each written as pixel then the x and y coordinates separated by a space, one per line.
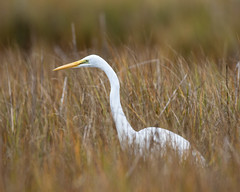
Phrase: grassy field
pixel 57 133
pixel 177 65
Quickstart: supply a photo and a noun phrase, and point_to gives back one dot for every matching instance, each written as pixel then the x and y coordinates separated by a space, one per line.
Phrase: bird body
pixel 145 139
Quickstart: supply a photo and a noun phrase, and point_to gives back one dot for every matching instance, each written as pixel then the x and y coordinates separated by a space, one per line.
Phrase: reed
pixel 57 133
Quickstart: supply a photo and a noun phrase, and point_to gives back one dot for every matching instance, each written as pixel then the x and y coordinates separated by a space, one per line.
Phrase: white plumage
pixel 144 140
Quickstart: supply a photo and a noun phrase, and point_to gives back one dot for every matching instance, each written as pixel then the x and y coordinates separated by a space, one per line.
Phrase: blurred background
pixel 211 27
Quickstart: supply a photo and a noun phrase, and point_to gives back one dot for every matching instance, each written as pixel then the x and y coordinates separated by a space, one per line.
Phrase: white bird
pixel 145 140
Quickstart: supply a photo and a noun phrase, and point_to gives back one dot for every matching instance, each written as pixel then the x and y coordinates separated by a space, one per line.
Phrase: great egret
pixel 144 140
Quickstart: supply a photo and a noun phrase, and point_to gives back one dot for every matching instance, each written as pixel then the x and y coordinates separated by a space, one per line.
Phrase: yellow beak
pixel 70 65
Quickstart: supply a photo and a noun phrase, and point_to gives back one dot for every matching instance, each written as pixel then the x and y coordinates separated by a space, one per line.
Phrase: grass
pixel 61 137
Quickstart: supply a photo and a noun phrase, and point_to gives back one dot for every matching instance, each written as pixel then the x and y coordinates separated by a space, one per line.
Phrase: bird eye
pixel 84 61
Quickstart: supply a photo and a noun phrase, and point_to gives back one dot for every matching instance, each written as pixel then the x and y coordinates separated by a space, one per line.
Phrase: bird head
pixel 89 61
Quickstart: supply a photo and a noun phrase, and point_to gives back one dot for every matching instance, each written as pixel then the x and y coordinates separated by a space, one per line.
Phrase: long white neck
pixel 124 129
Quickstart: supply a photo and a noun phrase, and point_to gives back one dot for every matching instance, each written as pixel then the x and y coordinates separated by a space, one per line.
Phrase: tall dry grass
pixel 57 133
